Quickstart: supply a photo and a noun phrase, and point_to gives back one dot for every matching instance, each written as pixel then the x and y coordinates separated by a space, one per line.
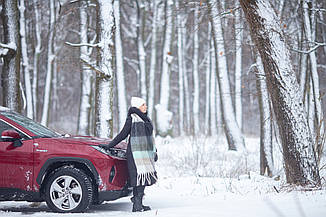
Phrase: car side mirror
pixel 12 136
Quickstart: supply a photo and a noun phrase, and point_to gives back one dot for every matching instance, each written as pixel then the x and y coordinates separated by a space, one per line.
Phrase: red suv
pixel 69 173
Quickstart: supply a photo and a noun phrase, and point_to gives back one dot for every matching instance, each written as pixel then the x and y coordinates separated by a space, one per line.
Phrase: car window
pixel 4 126
pixel 31 125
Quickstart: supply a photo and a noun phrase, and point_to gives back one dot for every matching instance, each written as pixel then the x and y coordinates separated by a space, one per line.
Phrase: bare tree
pixel 86 73
pixel 266 133
pixel 122 103
pixel 231 128
pixel 297 143
pixel 181 60
pixel 50 61
pixel 151 85
pixel 163 115
pixel 141 17
pixel 25 62
pixel 10 51
pixel 105 69
pixel 37 53
pixel 317 125
pixel 238 67
pixel 195 71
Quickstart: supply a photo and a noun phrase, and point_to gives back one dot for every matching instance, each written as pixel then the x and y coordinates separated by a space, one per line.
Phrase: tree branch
pixel 96 69
pixel 311 49
pixel 11 46
pixel 82 44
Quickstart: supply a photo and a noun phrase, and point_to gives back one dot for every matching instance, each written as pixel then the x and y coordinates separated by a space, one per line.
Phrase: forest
pixel 204 67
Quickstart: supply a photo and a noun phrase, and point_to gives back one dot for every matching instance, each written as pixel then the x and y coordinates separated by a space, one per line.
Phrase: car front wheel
pixel 68 189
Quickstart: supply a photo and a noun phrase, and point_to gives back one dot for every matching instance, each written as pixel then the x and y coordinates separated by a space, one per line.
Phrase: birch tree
pixel 25 63
pixel 183 35
pixel 208 87
pixel 214 105
pixel 180 68
pixel 37 53
pixel 141 17
pixel 298 153
pixel 151 89
pixel 238 65
pixel 50 61
pixel 121 87
pixel 163 115
pixel 166 63
pixel 10 51
pixel 232 130
pixel 86 73
pixel 105 69
pixel 266 133
pixel 309 26
pixel 195 71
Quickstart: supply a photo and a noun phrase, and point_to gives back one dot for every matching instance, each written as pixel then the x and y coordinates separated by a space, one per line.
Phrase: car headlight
pixel 112 152
pixel 100 149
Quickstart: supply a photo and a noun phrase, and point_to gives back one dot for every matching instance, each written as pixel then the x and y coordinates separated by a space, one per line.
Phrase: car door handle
pixel 41 150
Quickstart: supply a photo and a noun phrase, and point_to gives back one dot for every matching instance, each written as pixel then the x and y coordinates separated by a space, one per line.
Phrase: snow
pixel 164 120
pixel 180 193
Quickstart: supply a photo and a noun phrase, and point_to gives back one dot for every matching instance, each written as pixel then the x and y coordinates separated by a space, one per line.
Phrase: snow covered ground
pixel 188 186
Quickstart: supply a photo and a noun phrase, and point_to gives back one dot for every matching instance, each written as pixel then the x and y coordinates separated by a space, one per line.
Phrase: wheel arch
pixel 54 163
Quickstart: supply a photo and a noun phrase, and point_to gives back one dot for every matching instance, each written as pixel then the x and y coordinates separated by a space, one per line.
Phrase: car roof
pixel 4 109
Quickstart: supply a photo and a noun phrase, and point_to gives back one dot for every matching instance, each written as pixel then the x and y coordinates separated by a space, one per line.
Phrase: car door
pixel 16 163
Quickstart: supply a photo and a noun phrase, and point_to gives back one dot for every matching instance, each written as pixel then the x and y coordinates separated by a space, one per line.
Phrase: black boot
pixel 137 203
pixel 138 198
pixel 134 201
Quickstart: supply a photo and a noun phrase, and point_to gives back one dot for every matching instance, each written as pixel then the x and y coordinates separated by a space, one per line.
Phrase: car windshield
pixel 31 125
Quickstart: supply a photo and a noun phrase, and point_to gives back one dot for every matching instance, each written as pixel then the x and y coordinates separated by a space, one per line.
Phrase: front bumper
pixel 114 194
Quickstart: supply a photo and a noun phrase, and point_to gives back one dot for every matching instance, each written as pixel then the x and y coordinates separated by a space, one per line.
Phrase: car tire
pixel 68 189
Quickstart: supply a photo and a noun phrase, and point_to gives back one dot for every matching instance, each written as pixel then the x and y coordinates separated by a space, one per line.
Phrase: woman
pixel 141 151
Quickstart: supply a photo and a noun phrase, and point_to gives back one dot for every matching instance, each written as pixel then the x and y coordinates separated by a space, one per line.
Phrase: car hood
pixel 87 140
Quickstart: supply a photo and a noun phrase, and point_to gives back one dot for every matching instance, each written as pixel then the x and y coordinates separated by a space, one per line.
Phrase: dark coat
pixel 126 132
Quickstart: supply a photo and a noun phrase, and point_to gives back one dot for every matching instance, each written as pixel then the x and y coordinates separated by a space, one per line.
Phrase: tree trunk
pixel 50 60
pixel 163 122
pixel 195 72
pixel 37 53
pixel 104 77
pixel 266 133
pixel 214 89
pixel 11 53
pixel 297 143
pixel 238 70
pixel 185 74
pixel 309 26
pixel 231 128
pixel 167 56
pixel 180 68
pixel 151 88
pixel 141 49
pixel 121 87
pixel 86 75
pixel 208 87
pixel 25 64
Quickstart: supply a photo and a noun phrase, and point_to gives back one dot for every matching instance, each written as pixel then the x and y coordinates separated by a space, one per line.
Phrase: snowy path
pixel 169 203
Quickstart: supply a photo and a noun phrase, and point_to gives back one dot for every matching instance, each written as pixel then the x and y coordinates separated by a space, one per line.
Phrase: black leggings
pixel 138 190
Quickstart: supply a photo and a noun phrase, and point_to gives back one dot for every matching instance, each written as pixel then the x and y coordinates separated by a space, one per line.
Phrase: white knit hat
pixel 137 102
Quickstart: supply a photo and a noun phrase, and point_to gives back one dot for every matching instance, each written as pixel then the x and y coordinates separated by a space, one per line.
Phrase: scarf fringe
pixel 143 177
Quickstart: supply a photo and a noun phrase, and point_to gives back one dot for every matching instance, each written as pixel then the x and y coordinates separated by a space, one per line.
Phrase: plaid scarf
pixel 143 150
